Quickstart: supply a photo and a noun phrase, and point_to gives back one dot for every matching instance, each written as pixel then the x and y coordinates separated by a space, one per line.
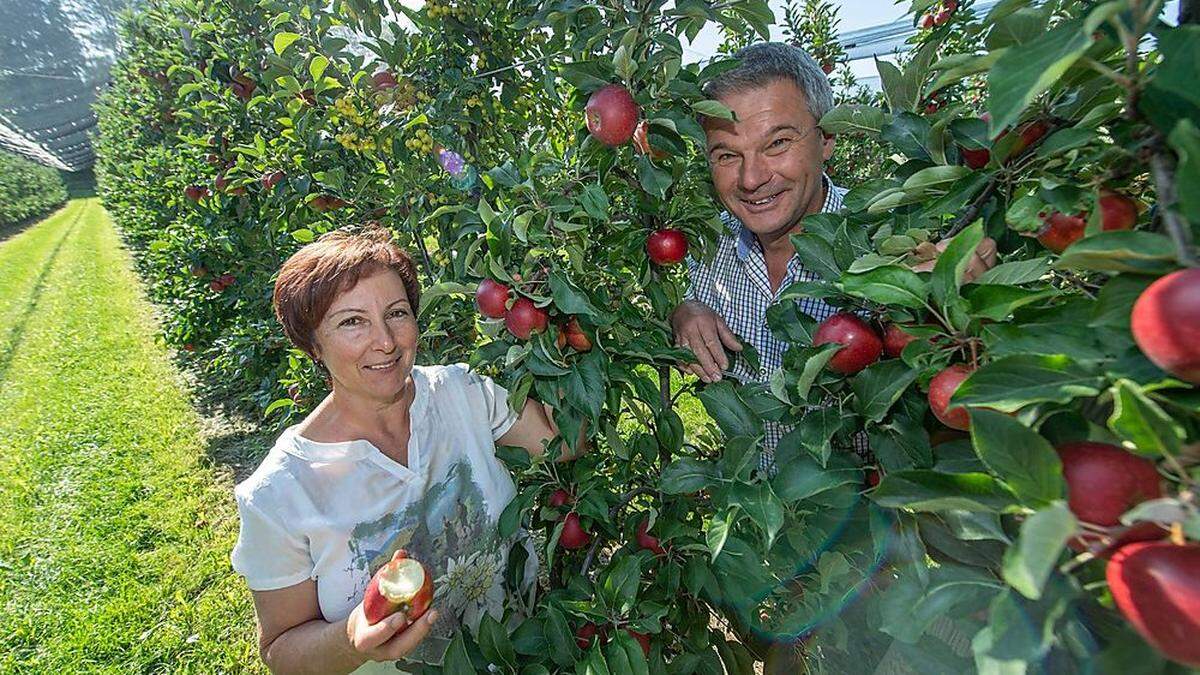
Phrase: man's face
pixel 767 166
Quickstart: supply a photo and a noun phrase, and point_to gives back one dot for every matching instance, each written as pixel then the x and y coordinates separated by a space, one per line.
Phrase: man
pixel 768 170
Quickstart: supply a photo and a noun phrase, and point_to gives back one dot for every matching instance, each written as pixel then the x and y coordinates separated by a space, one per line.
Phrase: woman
pixel 397 456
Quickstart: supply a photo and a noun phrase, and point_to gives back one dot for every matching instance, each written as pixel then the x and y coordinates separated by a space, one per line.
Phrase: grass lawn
pixel 116 521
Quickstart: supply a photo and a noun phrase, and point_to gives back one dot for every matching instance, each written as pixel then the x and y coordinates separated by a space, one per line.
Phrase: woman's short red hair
pixel 315 275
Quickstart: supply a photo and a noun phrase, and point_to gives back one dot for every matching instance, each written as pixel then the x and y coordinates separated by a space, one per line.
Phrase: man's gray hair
pixel 763 63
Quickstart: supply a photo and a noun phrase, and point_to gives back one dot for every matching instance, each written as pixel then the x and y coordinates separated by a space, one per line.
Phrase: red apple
pixel 643 640
pixel 1166 324
pixel 926 21
pixel 575 336
pixel 860 345
pixel 491 297
pixel 583 636
pixel 226 279
pixel 1030 133
pixel 402 585
pixel 827 67
pixel 873 478
pixel 199 271
pixel 271 179
pixel 941 17
pixel 195 192
pixel 189 347
pixel 216 286
pixel 646 541
pixel 1157 587
pixel 895 340
pixel 941 388
pixel 1117 212
pixel 1104 481
pixel 383 80
pixel 932 107
pixel 524 318
pixel 243 87
pixel 950 5
pixel 641 141
pixel 560 497
pixel 611 115
pixel 975 158
pixel 573 535
pixel 1060 230
pixel 666 247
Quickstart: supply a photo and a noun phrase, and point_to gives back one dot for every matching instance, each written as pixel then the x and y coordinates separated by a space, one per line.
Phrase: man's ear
pixel 827 143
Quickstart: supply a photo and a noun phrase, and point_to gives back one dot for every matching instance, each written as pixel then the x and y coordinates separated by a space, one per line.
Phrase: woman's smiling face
pixel 368 338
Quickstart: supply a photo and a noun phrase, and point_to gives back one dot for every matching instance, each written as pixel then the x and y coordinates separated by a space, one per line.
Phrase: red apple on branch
pixel 611 115
pixel 491 297
pixel 642 639
pixel 1166 324
pixel 1117 211
pixel 402 585
pixel 524 318
pixel 941 388
pixel 195 192
pixel 1103 482
pixel 583 636
pixel 666 247
pixel 573 535
pixel 646 541
pixel 559 498
pixel 860 345
pixel 384 80
pixel 895 340
pixel 575 337
pixel 1157 588
pixel 271 179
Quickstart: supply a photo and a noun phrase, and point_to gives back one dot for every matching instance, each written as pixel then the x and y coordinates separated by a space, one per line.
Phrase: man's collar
pixel 747 242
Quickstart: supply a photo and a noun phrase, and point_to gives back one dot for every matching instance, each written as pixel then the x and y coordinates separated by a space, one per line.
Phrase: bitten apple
pixel 941 388
pixel 611 115
pixel 1166 324
pixel 860 345
pixel 402 584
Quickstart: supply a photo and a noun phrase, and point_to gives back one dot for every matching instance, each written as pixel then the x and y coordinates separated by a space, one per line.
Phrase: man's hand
pixel 698 328
pixel 982 260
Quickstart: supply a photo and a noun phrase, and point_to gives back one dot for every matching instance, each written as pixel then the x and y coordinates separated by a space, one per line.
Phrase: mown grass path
pixel 115 524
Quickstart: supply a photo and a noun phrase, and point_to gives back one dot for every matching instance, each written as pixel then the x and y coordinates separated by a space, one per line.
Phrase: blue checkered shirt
pixel 735 285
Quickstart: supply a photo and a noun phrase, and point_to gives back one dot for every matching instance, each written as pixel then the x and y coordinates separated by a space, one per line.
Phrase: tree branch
pixel 1162 166
pixel 622 502
pixel 967 217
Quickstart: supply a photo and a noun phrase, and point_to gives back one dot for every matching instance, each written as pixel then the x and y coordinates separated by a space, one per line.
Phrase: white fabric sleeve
pixel 487 400
pixel 266 554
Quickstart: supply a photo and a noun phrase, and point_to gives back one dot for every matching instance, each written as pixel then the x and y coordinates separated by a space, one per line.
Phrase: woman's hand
pixel 390 639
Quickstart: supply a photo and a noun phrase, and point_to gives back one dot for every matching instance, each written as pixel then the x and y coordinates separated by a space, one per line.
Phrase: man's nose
pixel 755 173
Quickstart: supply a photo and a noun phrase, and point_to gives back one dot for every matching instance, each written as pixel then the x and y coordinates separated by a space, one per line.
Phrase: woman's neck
pixel 345 416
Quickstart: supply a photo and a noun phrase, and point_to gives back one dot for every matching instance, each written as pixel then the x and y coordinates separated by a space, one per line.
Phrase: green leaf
pixel 813 435
pixel 595 202
pixel 1138 419
pixel 801 477
pixel 619 586
pixel 510 518
pixel 494 642
pixel 817 255
pixel 889 285
pixel 909 133
pixel 710 108
pixel 878 387
pixel 560 637
pixel 284 40
pixel 762 506
pixel 731 413
pixel 922 490
pixel 653 179
pixel 787 322
pixel 1020 456
pixel 845 119
pixel 1115 301
pixel 1185 140
pixel 1027 70
pixel 1028 563
pixel 716 531
pixel 897 89
pixel 303 235
pixel 1016 273
pixel 935 178
pixel 1121 251
pixel 999 302
pixel 1011 383
pixel 818 358
pixel 910 606
pixel 952 263
pixel 456 661
pixel 317 67
pixel 568 298
pixel 687 475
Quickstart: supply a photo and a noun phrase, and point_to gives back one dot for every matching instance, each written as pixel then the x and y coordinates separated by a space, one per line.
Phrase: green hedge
pixel 27 190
